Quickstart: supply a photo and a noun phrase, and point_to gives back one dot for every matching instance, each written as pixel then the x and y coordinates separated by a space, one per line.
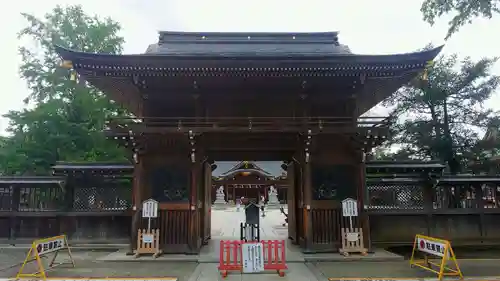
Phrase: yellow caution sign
pixel 42 247
pixel 435 248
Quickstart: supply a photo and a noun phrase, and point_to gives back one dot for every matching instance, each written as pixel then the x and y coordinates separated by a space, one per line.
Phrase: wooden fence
pixel 86 214
pixel 463 209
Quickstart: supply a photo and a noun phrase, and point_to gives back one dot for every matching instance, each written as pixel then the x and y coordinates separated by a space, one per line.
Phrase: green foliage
pixel 464 11
pixel 422 127
pixel 385 153
pixel 68 117
pixel 485 155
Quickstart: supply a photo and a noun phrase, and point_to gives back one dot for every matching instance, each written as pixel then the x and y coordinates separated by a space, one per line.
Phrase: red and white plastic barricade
pixel 231 256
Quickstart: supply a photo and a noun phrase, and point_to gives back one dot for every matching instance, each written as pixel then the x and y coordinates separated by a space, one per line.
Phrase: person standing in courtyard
pixel 238 204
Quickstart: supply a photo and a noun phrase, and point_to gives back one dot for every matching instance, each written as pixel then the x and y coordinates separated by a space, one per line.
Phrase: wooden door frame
pixel 292 203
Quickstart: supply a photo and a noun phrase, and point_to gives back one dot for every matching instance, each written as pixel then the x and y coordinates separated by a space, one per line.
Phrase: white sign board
pixel 253 257
pixel 349 207
pixel 150 208
pixel 147 238
pixel 50 246
pixel 431 247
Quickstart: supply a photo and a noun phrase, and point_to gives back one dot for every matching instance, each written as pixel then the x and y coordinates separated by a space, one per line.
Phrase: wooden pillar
pixel 14 221
pixel 308 204
pixel 479 204
pixel 208 202
pixel 138 190
pixel 196 173
pixel 304 158
pixel 364 218
pixel 428 195
pixel 292 201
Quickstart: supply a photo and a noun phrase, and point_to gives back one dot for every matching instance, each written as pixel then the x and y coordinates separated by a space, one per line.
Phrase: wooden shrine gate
pixel 200 97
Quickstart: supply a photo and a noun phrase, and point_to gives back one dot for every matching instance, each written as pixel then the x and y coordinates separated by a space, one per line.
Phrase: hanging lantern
pixel 67 64
pixel 425 74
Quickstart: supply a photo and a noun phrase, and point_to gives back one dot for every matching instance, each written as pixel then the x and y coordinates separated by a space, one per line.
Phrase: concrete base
pixel 378 255
pixel 210 254
pixel 120 256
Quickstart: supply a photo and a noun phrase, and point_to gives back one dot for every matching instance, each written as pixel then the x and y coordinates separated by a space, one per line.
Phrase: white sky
pixel 367 26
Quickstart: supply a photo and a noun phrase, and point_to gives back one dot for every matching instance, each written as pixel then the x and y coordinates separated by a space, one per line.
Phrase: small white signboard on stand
pixel 350 209
pixel 352 237
pixel 147 239
pixel 150 210
pixel 253 257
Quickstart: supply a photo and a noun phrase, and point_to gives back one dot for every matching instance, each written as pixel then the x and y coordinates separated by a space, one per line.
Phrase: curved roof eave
pixel 261 173
pixel 141 59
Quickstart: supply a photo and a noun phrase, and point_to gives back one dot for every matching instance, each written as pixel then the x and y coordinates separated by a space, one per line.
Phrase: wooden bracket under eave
pixel 362 78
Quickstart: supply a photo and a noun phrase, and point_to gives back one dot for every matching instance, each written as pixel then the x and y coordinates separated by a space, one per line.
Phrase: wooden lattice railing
pixel 254 124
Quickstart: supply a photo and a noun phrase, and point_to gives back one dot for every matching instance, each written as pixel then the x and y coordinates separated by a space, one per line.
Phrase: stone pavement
pixel 225 225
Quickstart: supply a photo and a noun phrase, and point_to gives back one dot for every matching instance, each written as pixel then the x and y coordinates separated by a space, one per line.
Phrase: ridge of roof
pixel 239 166
pixel 248 37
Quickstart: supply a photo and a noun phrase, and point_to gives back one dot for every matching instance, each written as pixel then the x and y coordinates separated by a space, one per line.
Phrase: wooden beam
pixel 251 155
pixel 252 181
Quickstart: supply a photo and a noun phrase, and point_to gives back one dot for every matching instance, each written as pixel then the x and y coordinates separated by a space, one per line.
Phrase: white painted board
pixel 150 208
pixel 253 257
pixel 349 207
pixel 431 247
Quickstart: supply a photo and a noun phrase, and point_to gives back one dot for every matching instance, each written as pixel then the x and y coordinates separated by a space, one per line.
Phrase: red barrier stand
pixel 231 257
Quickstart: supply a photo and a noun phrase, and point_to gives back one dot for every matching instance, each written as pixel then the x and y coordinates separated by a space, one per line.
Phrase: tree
pixel 443 113
pixel 485 155
pixel 465 11
pixel 68 117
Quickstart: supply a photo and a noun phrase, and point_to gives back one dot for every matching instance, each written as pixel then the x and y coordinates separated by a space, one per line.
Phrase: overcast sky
pixel 366 26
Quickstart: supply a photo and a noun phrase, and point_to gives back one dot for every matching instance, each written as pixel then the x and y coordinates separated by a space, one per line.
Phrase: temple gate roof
pixel 247 44
pixel 183 62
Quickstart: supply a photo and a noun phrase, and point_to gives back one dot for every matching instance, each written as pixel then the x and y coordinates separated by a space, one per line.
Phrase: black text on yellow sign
pixel 437 249
pixel 42 247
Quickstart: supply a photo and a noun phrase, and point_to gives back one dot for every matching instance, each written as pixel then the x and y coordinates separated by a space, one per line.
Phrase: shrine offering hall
pixel 198 98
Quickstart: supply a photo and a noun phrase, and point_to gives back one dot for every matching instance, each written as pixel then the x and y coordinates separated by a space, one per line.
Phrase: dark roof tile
pixel 240 43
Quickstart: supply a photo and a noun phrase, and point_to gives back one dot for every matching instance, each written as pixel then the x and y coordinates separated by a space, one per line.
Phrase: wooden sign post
pixel 148 240
pixel 352 237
